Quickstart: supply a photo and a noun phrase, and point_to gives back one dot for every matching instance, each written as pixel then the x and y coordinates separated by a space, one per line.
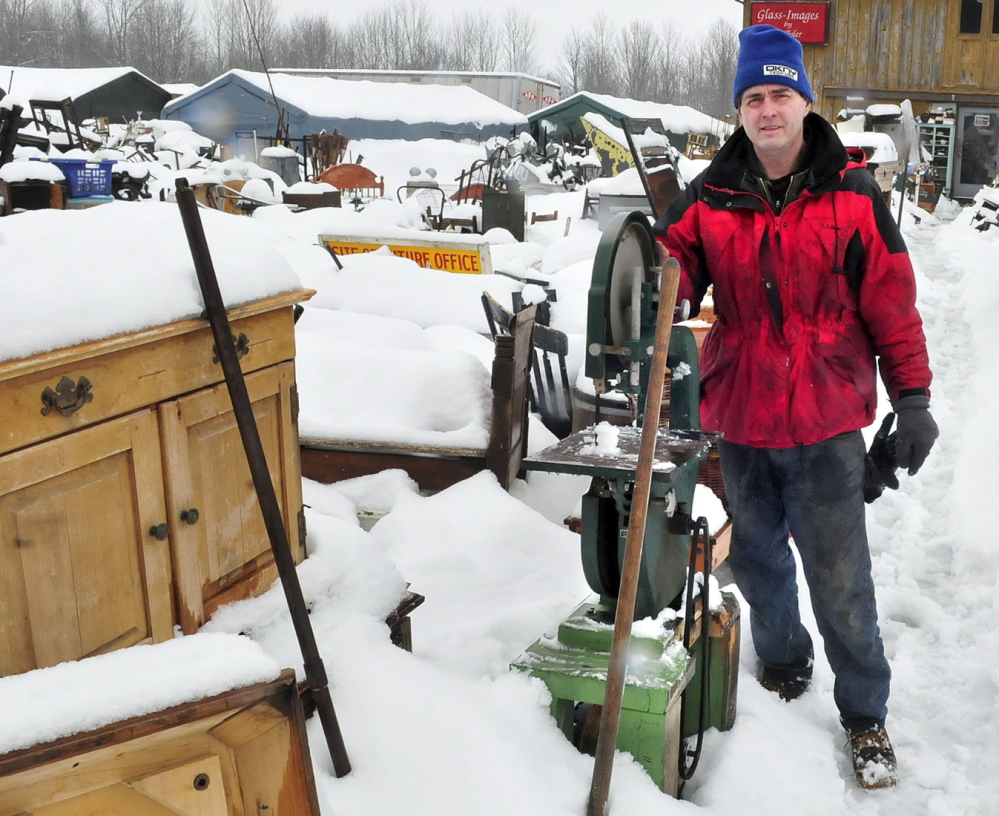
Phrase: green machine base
pixel 573 665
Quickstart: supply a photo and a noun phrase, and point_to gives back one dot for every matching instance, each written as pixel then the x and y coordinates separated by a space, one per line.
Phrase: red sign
pixel 549 100
pixel 529 95
pixel 806 22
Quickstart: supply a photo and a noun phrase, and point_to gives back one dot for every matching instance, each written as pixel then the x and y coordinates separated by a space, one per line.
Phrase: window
pixel 971 17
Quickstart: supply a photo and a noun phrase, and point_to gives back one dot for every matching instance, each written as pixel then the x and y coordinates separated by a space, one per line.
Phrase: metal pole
pixel 610 715
pixel 315 671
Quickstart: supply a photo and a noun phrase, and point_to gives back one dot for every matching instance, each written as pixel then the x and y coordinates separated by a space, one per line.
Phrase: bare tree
pixel 716 57
pixel 520 43
pixel 253 33
pixel 77 33
pixel 233 30
pixel 638 53
pixel 30 32
pixel 116 18
pixel 600 68
pixel 419 48
pixel 308 41
pixel 165 40
pixel 671 52
pixel 472 43
pixel 373 35
pixel 215 21
pixel 196 40
pixel 571 65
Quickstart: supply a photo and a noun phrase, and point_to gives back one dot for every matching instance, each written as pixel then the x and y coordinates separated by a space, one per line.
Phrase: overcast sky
pixel 554 17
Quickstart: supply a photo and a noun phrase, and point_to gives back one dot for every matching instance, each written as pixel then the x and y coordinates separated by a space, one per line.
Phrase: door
pixel 977 150
pixel 221 548
pixel 84 565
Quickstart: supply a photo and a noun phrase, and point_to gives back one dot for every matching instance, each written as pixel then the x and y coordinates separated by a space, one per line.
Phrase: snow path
pixel 930 632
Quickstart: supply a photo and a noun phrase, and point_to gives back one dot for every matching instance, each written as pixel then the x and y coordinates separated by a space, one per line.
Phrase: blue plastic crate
pixel 86 178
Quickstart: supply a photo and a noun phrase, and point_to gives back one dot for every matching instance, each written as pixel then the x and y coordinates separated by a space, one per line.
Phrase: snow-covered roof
pixel 59 83
pixel 180 88
pixel 373 101
pixel 390 73
pixel 675 118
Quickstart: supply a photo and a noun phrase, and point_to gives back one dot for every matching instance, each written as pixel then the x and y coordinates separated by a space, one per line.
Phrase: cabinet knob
pixel 160 531
pixel 191 516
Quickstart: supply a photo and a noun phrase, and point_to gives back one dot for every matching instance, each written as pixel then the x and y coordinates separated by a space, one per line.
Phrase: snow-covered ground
pixel 450 729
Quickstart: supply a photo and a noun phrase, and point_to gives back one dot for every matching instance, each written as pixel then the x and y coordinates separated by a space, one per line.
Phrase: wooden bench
pixel 433 469
pixel 537 218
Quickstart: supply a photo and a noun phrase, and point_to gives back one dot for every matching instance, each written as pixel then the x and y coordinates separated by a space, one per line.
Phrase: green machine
pixel 671 668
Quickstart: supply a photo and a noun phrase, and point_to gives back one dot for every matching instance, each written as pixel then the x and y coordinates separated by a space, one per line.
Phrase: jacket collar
pixel 736 167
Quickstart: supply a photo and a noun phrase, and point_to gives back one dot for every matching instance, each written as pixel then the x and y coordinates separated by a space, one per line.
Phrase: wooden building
pixel 941 55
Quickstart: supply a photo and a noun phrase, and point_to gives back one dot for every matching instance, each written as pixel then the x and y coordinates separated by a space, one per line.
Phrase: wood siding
pixel 890 50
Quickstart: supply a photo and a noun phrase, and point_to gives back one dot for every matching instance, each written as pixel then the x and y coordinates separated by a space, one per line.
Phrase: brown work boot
pixel 874 762
pixel 789 681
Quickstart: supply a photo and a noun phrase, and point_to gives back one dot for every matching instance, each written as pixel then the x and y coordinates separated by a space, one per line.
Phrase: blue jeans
pixel 815 494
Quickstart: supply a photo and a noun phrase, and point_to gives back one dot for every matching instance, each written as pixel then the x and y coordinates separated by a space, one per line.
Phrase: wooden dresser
pixel 126 504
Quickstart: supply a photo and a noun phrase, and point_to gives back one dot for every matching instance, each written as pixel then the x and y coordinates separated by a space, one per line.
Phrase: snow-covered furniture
pixel 434 467
pixel 200 726
pixel 126 504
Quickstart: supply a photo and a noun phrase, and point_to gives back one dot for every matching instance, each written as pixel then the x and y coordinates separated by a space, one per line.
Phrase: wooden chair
pixel 331 460
pixel 654 162
pixel 10 120
pixel 460 224
pixel 432 201
pixel 551 392
pixel 538 218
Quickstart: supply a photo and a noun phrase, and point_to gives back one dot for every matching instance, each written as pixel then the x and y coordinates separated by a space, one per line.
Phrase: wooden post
pixel 617 669
pixel 315 671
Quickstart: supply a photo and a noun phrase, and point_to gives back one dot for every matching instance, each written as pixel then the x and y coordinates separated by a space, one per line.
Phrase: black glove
pixel 916 432
pixel 880 463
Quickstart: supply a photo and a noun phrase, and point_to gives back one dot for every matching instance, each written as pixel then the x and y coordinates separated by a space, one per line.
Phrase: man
pixel 812 288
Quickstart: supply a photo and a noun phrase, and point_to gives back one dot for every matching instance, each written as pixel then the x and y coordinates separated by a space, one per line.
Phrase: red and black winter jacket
pixel 807 297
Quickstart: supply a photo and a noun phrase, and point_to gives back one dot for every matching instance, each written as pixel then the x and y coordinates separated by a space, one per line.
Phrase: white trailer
pixel 524 93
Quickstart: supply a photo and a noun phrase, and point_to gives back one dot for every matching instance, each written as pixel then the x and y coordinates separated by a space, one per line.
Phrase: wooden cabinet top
pixel 49 394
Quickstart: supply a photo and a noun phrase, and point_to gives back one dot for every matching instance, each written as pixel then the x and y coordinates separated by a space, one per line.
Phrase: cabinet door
pixel 222 553
pixel 80 571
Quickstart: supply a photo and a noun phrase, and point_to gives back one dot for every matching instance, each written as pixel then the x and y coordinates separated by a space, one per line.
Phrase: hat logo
pixel 780 71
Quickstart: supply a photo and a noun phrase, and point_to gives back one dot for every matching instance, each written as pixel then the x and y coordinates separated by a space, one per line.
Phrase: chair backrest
pixel 499 318
pixel 432 201
pixel 551 392
pixel 511 377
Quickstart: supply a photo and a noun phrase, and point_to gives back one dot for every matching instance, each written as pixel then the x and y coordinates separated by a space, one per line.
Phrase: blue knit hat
pixel 769 56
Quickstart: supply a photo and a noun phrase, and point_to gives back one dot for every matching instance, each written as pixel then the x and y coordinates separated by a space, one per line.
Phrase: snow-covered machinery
pixel 675 660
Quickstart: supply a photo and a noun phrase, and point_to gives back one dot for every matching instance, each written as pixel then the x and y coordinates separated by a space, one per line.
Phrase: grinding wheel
pixel 619 312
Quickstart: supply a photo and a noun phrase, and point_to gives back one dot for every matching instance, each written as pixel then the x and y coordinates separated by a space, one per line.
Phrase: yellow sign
pixel 614 157
pixel 467 258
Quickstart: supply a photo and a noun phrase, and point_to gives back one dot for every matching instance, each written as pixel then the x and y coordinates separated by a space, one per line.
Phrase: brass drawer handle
pixel 241 344
pixel 68 397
